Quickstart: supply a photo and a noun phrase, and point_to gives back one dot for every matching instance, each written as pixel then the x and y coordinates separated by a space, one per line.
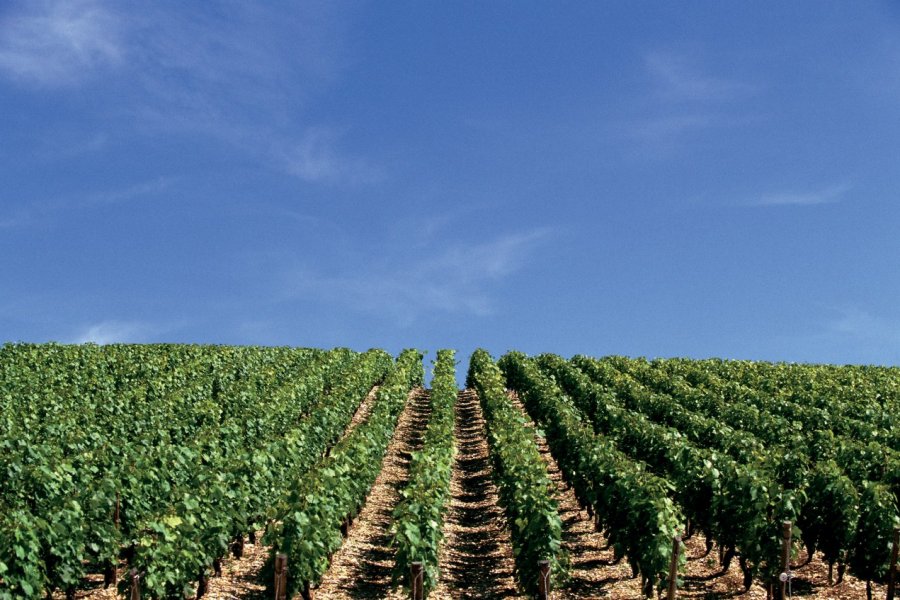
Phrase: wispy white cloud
pixel 245 80
pixel 242 74
pixel 112 332
pixel 679 79
pixel 59 42
pixel 46 211
pixel 460 278
pixel 672 126
pixel 828 195
pixel 670 133
pixel 681 99
pixel 238 73
pixel 226 72
pixel 62 145
pixel 138 190
pixel 316 159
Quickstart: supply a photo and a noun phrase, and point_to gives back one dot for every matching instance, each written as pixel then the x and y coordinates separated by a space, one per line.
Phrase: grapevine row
pixel 310 519
pixel 171 519
pixel 526 491
pixel 738 504
pixel 850 521
pixel 418 519
pixel 631 505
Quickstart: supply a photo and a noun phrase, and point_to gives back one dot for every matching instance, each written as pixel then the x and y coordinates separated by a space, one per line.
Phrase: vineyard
pixel 180 471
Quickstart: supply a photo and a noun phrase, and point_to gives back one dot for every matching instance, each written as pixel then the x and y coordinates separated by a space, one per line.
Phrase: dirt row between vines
pixel 361 568
pixel 476 559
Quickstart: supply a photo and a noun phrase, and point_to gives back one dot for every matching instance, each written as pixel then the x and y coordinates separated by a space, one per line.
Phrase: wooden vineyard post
pixel 417 581
pixel 785 578
pixel 543 580
pixel 892 574
pixel 202 584
pixel 109 573
pixel 673 568
pixel 281 576
pixel 135 585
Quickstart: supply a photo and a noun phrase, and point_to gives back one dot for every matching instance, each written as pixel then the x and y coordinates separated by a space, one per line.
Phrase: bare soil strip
pixel 476 557
pixel 362 567
pixel 241 576
pixel 91 587
pixel 703 579
pixel 592 573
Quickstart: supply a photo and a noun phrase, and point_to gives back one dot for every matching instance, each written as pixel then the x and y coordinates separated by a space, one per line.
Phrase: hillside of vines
pixel 189 471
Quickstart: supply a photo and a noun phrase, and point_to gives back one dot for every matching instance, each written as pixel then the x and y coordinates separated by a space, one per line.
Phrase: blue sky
pixel 643 178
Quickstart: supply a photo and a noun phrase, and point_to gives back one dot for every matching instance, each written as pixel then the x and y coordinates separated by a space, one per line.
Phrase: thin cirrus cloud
pixel 681 100
pixel 230 75
pixel 49 211
pixel 62 41
pixel 315 158
pixel 677 78
pixel 462 278
pixel 241 76
pixel 828 195
pixel 245 79
pixel 59 43
pixel 141 189
pixel 671 126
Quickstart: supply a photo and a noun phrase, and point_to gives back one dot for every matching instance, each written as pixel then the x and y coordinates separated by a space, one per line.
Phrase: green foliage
pixel 806 414
pixel 195 442
pixel 334 490
pixel 197 445
pixel 632 505
pixel 526 491
pixel 418 519
pixel 739 504
pixel 829 519
pixel 870 557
